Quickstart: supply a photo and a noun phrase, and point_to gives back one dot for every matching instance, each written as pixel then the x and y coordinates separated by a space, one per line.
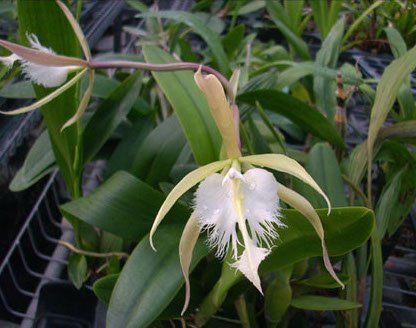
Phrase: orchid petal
pixel 216 213
pixel 301 204
pixel 76 28
pixel 83 103
pixel 186 246
pixel 220 110
pixel 49 97
pixel 40 57
pixel 190 180
pixel 285 164
pixel 260 205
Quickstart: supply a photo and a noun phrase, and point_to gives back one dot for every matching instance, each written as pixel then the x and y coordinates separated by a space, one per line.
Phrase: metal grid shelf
pixel 35 257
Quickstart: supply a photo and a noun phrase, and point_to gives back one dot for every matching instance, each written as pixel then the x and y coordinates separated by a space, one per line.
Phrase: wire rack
pixel 35 257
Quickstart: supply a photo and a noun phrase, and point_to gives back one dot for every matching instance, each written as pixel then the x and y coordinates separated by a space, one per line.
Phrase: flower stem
pixel 166 68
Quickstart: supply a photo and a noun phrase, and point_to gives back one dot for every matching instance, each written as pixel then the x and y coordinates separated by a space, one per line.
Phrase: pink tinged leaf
pixel 301 204
pixel 186 246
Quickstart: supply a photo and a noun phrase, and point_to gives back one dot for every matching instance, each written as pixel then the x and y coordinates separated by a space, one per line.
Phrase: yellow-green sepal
pixel 301 204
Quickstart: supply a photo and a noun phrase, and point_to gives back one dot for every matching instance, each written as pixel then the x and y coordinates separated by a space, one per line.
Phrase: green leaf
pixel 322 165
pixel 325 88
pixel 278 298
pixel 125 153
pixel 110 114
pixel 396 201
pixel 397 43
pixel 77 269
pixel 103 287
pixel 322 303
pixel 38 163
pixel 198 26
pixel 66 144
pixel 124 206
pixel 377 281
pixel 149 280
pixel 324 280
pixel 274 8
pixel 18 90
pixel 345 230
pixel 295 110
pixel 387 90
pixel 190 107
pixel 325 16
pixel 159 152
pixel 232 40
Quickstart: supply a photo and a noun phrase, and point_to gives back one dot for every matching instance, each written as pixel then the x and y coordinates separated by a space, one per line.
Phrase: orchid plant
pixel 238 207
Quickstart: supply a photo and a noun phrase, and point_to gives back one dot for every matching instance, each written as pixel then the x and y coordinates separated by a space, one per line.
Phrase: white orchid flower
pixel 46 68
pixel 239 207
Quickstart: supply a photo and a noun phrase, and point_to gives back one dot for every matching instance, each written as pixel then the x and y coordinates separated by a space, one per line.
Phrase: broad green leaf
pixel 323 303
pixel 39 162
pixel 295 110
pixel 149 281
pixel 232 40
pixel 66 144
pixel 110 114
pixel 325 88
pixel 103 287
pixel 122 205
pixel 274 8
pixel 322 165
pixel 189 105
pixel 345 230
pixel 159 151
pixel 123 156
pixel 194 22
